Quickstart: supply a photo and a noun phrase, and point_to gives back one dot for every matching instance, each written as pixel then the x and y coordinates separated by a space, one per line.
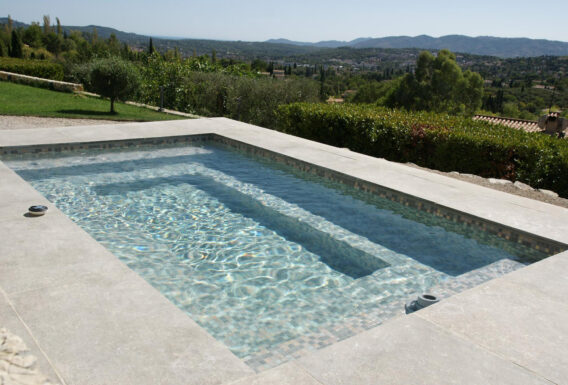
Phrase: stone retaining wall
pixel 40 82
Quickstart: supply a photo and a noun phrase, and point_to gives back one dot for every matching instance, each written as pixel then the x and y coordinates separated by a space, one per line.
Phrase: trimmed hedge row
pixel 442 142
pixel 37 68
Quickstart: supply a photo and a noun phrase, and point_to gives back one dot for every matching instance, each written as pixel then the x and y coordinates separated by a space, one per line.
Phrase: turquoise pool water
pixel 255 252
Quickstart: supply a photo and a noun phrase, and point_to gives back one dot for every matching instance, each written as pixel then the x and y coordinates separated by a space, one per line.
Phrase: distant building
pixel 332 100
pixel 554 125
pixel 278 74
pixel 521 124
pixel 551 124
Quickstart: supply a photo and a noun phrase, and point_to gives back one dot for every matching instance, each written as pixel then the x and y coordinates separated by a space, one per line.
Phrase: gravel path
pixel 18 122
pixel 8 122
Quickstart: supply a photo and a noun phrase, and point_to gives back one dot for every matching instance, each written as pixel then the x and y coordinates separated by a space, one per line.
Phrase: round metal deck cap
pixel 37 210
pixel 425 300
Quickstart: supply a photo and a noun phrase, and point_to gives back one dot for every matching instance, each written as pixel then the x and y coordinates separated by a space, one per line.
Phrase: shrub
pixel 196 86
pixel 37 68
pixel 79 73
pixel 438 141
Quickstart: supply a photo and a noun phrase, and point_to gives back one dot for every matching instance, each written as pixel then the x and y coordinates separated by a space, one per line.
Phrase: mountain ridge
pixel 505 47
pixel 502 47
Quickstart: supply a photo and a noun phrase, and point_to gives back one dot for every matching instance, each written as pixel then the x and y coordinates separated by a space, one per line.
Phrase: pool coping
pixel 27 282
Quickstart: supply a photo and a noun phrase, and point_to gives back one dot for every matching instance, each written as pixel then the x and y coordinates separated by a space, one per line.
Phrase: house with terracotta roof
pixel 521 124
pixel 551 124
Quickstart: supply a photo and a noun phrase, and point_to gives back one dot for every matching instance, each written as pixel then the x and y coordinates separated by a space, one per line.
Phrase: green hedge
pixel 441 142
pixel 38 68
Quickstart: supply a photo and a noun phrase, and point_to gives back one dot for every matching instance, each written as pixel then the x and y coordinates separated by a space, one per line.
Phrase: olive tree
pixel 114 78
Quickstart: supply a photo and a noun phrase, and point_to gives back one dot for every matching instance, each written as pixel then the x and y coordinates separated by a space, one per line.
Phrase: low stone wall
pixel 40 82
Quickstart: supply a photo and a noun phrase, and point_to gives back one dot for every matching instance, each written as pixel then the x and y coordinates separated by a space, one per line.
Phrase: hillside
pixel 228 49
pixel 276 49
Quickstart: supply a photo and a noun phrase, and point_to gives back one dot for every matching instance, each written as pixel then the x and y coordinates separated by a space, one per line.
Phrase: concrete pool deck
pixel 91 320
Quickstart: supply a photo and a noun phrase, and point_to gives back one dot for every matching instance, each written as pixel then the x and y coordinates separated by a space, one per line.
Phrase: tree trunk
pixel 112 105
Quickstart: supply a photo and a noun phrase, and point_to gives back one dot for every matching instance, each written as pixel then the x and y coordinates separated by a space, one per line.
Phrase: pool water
pixel 256 253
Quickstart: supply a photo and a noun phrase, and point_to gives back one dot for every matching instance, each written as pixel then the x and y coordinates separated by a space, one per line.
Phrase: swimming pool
pixel 257 253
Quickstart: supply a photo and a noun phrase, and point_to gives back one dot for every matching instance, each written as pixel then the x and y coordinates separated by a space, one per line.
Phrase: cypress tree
pixel 499 101
pixel 59 30
pixel 16 50
pixel 322 82
pixel 124 52
pixel 46 24
pixel 151 47
pixel 10 24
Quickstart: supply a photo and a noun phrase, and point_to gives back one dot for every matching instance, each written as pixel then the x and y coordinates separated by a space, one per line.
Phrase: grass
pixel 18 99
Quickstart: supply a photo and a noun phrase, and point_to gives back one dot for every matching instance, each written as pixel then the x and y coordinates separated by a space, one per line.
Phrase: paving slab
pixel 286 374
pixel 549 277
pixel 411 350
pixel 513 320
pixel 65 255
pixel 13 190
pixel 102 331
pixel 45 251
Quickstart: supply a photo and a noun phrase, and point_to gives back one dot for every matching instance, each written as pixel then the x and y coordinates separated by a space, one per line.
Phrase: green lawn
pixel 18 99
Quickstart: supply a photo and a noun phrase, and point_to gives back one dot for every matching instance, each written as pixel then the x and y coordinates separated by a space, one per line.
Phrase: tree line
pixel 431 82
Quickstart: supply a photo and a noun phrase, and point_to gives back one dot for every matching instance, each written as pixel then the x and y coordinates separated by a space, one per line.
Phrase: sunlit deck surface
pixel 91 320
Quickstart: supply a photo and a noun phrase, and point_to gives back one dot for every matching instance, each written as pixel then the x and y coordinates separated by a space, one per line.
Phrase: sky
pixel 304 20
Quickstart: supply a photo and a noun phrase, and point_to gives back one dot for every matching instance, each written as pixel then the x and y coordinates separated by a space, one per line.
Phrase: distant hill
pixel 275 49
pixel 321 44
pixel 227 49
pixel 15 23
pixel 481 45
pixel 290 42
pixel 105 32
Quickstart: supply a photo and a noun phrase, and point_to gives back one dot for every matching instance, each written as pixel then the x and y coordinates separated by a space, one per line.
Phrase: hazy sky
pixel 305 20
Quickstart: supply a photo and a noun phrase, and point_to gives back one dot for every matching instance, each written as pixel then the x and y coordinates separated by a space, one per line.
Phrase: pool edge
pixel 504 363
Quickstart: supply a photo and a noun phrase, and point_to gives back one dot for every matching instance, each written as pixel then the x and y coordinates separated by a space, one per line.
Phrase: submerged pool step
pixel 337 254
pixel 453 285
